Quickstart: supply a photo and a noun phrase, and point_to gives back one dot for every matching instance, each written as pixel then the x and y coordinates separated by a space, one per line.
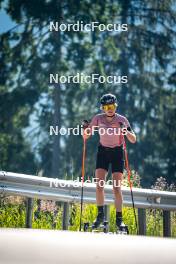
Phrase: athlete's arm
pixel 129 132
pixel 131 135
pixel 88 126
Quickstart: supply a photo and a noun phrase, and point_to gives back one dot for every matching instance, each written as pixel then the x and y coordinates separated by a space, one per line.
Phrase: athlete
pixel 110 151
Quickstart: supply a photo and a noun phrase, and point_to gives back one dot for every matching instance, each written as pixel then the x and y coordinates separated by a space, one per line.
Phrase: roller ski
pixel 99 225
pixel 121 227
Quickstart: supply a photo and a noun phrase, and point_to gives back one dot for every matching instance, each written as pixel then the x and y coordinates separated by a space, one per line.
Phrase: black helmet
pixel 108 99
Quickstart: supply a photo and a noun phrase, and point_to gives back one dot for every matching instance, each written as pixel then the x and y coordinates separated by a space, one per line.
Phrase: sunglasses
pixel 109 107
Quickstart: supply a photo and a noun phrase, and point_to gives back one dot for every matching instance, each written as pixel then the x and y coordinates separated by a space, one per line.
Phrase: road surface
pixel 64 247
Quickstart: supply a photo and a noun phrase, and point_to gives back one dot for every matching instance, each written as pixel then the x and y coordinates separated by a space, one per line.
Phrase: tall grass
pixel 48 214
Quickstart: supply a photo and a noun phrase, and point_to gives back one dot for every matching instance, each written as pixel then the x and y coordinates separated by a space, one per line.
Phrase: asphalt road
pixel 47 246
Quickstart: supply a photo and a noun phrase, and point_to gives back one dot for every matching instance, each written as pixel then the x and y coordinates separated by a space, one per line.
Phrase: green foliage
pixel 134 178
pixel 29 53
pixel 154 222
pixel 89 214
pixel 173 224
pixel 13 215
pixel 48 214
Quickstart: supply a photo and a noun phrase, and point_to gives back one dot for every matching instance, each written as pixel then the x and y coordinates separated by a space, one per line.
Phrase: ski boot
pixel 86 226
pixel 121 227
pixel 100 224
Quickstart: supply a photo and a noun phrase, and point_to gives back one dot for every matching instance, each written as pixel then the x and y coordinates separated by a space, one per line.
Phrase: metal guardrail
pixel 70 191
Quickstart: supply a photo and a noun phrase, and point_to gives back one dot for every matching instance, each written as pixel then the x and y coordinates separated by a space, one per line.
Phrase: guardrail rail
pixel 70 191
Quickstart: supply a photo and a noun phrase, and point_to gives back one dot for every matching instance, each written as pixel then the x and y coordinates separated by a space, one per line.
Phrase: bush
pixel 48 214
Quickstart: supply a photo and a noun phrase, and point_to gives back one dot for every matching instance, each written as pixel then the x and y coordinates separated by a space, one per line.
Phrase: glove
pixel 85 124
pixel 122 125
pixel 123 128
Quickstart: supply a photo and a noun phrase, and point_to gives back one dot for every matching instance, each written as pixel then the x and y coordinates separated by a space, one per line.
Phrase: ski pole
pixel 129 180
pixel 82 180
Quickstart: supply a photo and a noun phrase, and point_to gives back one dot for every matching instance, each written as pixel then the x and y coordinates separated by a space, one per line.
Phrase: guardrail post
pixel 166 223
pixel 65 219
pixel 142 221
pixel 29 210
pixel 107 212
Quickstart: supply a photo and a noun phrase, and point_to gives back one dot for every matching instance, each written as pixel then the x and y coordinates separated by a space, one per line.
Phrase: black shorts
pixel 113 156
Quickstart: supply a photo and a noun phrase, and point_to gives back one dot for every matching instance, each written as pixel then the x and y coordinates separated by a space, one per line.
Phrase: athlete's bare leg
pixel 100 182
pixel 117 179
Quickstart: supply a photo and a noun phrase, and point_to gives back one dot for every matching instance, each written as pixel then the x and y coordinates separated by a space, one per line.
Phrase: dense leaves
pixel 29 105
